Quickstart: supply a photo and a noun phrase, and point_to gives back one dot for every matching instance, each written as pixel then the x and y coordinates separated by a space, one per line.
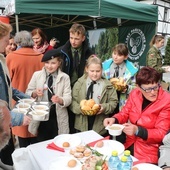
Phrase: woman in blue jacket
pixel 7 93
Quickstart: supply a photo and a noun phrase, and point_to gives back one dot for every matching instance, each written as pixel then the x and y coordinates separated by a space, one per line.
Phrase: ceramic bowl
pixel 23 106
pixel 29 101
pixel 40 107
pixel 38 115
pixel 115 129
pixel 16 110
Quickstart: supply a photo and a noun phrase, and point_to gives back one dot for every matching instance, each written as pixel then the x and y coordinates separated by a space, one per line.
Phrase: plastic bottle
pixel 124 165
pixel 113 161
pixel 129 158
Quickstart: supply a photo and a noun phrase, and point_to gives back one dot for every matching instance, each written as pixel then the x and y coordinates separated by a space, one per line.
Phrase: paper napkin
pixel 55 147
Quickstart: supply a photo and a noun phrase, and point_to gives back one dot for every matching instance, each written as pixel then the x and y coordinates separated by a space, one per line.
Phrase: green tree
pixel 167 53
pixel 106 42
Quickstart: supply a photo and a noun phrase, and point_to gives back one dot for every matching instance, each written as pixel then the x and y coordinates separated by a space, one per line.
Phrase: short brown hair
pixel 121 49
pixel 147 75
pixel 4 29
pixel 77 28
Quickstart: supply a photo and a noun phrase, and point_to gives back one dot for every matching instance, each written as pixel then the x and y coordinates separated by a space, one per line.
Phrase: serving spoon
pixel 33 110
pixel 46 87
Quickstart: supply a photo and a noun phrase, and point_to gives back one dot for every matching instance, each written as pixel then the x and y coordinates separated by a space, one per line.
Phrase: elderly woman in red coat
pixel 146 116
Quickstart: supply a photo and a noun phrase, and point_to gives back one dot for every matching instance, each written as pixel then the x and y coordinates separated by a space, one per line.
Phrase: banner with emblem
pixel 137 39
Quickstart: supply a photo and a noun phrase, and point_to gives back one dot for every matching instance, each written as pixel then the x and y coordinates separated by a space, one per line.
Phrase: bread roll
pixel 135 168
pixel 66 144
pixel 87 152
pixel 86 108
pixel 80 148
pixel 113 80
pixel 72 163
pixel 121 80
pixel 95 106
pixel 124 84
pixel 90 103
pixel 83 103
pixel 99 144
pixel 78 155
pixel 72 151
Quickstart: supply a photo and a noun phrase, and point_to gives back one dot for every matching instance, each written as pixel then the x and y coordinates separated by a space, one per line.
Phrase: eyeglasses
pixel 156 88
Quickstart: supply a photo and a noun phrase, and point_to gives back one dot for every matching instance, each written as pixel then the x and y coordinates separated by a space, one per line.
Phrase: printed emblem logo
pixel 136 43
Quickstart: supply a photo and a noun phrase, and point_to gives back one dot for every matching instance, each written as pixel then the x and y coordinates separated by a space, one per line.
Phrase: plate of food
pixel 67 141
pixel 95 162
pixel 65 163
pixel 145 166
pixel 80 152
pixel 107 146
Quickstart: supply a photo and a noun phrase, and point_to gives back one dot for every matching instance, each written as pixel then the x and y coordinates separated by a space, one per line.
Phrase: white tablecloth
pixel 38 157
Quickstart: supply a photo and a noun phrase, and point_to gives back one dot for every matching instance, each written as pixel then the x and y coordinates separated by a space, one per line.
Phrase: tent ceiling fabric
pixel 128 9
pixel 55 13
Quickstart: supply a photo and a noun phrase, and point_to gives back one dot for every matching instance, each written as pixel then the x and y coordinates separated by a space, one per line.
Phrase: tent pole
pixel 16 21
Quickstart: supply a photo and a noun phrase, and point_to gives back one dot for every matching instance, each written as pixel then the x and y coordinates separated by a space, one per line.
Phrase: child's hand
pixel 101 110
pixel 56 99
pixel 37 93
pixel 26 120
pixel 124 90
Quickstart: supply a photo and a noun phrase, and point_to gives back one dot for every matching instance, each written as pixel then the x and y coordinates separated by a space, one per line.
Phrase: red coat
pixel 22 63
pixel 155 118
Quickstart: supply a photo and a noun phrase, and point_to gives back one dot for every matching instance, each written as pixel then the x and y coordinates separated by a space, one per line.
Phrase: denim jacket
pixel 7 92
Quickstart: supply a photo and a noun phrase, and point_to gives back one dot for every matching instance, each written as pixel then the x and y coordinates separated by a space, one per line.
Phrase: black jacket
pixel 68 59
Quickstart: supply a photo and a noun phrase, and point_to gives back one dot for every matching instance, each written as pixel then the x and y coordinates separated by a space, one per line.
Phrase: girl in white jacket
pixel 60 97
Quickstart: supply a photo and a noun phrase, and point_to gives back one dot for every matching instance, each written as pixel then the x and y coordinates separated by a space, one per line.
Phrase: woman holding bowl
pixel 146 116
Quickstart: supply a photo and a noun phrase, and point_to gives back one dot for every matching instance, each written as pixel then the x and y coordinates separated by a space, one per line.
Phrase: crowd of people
pixel 73 73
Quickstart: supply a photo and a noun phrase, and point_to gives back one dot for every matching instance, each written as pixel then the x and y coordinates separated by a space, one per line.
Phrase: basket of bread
pixel 118 83
pixel 89 107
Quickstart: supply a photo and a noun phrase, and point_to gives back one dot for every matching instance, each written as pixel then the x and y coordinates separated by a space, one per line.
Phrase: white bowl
pixel 115 129
pixel 29 101
pixel 40 107
pixel 23 106
pixel 17 110
pixel 39 115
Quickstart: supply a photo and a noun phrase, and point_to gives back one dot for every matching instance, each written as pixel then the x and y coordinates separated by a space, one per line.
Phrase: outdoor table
pixel 38 157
